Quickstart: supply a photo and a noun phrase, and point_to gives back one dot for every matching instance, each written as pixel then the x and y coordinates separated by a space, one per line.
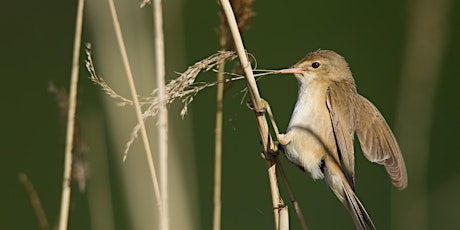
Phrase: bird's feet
pixel 284 139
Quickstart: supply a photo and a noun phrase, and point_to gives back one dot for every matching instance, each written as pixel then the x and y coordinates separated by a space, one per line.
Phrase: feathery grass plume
pixel 243 14
pixel 80 166
pixel 99 81
pixel 184 87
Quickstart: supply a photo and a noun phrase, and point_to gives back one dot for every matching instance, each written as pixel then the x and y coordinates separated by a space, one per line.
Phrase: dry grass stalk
pixel 66 188
pixel 256 101
pixel 35 201
pixel 294 202
pixel 163 112
pixel 216 220
pixel 244 13
pixel 284 218
pixel 137 106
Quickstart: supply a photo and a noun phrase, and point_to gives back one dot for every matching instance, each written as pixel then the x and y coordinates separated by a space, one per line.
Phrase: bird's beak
pixel 290 70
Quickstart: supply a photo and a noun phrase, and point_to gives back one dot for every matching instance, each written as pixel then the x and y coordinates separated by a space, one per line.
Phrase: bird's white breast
pixel 309 126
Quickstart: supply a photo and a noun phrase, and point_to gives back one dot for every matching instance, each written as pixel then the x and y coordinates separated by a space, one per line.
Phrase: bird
pixel 320 135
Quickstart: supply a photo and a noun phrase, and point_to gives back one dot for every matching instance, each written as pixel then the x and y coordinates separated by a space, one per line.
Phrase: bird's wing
pixel 378 142
pixel 342 116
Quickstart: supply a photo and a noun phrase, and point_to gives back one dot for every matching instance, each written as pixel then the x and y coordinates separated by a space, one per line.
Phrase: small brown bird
pixel 319 138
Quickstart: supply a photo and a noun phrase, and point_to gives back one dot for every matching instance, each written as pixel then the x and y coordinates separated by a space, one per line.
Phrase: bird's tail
pixel 342 189
pixel 356 209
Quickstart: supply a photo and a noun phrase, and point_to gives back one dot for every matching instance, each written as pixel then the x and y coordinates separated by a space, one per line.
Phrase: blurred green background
pixel 403 55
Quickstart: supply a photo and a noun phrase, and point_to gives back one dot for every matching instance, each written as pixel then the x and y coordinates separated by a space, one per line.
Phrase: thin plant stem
pixel 258 109
pixel 280 168
pixel 218 148
pixel 294 202
pixel 35 201
pixel 132 87
pixel 66 185
pixel 163 112
pixel 284 218
pixel 274 189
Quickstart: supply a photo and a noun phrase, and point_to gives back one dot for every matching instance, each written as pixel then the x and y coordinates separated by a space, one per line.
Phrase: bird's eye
pixel 315 65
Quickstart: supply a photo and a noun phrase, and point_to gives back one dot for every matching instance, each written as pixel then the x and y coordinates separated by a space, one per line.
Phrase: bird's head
pixel 320 65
